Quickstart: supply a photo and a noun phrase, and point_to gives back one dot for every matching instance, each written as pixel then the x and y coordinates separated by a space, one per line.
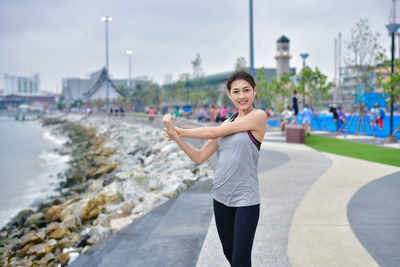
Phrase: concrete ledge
pixel 294 133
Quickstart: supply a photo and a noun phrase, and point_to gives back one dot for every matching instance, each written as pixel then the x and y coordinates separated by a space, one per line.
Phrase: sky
pixel 60 39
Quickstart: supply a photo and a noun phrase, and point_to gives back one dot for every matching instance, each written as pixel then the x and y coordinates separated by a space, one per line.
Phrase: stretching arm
pixel 253 121
pixel 198 155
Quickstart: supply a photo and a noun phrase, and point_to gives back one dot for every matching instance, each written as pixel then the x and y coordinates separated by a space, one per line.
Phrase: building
pixel 14 101
pixel 95 87
pixel 21 85
pixel 282 56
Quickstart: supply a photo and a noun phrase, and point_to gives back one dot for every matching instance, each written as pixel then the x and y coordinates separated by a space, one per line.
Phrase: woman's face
pixel 242 95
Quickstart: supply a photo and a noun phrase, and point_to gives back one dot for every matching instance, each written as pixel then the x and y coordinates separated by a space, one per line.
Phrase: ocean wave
pixel 56 139
pixel 52 158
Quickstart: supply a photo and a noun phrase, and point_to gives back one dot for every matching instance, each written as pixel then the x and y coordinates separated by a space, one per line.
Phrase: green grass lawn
pixel 355 150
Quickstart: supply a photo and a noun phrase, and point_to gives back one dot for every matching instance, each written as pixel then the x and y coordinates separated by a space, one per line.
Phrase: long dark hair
pixel 241 75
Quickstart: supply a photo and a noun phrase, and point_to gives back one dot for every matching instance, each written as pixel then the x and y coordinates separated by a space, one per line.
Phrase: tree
pixel 182 89
pixel 197 96
pixel 241 64
pixel 363 53
pixel 262 87
pixel 280 90
pixel 316 83
pixel 197 70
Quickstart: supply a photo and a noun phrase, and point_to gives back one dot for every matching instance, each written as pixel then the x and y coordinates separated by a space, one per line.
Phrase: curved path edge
pixel 320 234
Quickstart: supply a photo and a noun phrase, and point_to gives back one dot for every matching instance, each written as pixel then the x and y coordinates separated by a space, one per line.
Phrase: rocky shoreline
pixel 118 172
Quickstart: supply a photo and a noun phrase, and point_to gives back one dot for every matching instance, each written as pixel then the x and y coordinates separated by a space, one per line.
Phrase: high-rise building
pixel 19 85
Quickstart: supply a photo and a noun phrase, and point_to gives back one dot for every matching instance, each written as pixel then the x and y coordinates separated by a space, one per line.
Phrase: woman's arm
pixel 198 156
pixel 253 121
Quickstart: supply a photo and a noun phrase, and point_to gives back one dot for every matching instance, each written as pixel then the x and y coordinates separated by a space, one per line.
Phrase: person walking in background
pixel 335 116
pixel 295 106
pixel 212 112
pixel 306 115
pixel 268 112
pixel 286 117
pixel 374 115
pixel 216 114
pixel 176 111
pixel 202 114
pixel 224 113
pixel 341 118
pixel 381 116
pixel 236 196
pixel 151 113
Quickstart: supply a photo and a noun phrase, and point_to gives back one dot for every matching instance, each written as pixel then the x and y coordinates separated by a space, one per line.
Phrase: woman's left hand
pixel 170 129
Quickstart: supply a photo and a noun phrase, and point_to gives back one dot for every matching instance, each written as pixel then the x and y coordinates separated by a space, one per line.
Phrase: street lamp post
pixel 304 56
pixel 130 52
pixel 398 34
pixel 251 38
pixel 392 28
pixel 106 19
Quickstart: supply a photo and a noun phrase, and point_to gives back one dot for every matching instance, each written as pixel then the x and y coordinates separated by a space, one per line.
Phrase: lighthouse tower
pixel 282 56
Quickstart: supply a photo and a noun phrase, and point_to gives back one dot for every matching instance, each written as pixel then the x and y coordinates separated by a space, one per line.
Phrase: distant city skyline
pixel 67 39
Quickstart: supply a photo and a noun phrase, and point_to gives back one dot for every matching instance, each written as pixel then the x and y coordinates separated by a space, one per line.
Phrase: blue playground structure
pixel 327 120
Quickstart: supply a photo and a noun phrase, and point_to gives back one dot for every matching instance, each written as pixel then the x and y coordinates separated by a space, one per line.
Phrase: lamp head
pixel 392 28
pixel 304 55
pixel 106 18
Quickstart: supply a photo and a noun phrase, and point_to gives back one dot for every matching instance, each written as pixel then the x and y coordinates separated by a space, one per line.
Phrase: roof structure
pixel 97 80
pixel 83 89
pixel 283 39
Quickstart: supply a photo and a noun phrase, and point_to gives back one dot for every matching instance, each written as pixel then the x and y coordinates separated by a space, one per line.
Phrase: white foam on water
pixel 42 185
pixel 56 139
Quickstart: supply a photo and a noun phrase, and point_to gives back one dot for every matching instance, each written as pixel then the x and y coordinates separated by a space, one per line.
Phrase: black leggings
pixel 236 229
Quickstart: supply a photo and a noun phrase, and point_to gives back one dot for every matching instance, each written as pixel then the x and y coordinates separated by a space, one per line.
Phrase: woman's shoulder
pixel 259 113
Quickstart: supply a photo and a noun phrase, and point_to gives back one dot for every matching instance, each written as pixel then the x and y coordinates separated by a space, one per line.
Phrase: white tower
pixel 282 56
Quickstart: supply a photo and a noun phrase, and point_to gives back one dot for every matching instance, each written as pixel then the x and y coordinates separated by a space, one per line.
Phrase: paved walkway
pixel 317 209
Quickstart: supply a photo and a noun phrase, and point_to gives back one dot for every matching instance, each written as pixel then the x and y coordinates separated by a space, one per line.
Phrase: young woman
pixel 235 184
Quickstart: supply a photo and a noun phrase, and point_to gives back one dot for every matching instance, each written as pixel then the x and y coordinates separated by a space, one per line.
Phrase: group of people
pixel 115 111
pixel 338 117
pixel 288 115
pixel 211 113
pixel 214 113
pixel 377 116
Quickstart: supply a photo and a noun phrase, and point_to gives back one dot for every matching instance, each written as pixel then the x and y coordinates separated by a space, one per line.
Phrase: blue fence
pixel 327 120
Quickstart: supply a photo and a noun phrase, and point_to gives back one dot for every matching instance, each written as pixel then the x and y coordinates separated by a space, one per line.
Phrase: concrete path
pixel 317 209
pixel 321 229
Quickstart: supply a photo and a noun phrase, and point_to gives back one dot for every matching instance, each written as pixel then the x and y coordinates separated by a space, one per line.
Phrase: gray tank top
pixel 235 181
